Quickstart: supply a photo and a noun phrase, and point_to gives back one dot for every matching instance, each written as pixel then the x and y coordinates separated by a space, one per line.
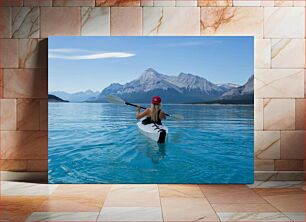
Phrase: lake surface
pixel 100 143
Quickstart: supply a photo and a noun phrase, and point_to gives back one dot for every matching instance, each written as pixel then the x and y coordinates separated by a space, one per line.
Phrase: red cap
pixel 156 100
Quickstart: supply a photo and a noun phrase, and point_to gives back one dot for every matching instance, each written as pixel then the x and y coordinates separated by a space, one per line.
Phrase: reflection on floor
pixel 262 201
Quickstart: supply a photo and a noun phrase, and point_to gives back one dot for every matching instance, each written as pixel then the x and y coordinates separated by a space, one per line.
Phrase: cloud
pixel 80 54
pixel 186 44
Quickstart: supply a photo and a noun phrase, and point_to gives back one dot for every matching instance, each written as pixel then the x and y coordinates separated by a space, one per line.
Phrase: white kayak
pixel 155 132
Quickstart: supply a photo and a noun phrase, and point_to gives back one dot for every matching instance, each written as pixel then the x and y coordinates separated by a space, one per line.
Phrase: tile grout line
pixel 104 202
pixel 161 208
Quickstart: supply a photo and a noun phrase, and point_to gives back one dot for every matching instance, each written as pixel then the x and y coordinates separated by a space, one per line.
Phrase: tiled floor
pixel 268 201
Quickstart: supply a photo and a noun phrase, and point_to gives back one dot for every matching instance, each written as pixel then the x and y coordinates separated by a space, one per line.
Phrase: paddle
pixel 118 100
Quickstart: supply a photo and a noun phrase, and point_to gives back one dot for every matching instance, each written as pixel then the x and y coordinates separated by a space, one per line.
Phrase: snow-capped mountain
pixel 183 88
pixel 76 97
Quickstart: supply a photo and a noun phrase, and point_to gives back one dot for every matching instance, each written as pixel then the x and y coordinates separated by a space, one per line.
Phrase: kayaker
pixel 153 114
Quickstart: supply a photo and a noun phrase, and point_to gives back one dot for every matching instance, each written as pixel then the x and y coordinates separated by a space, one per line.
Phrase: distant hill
pixel 76 97
pixel 53 98
pixel 184 88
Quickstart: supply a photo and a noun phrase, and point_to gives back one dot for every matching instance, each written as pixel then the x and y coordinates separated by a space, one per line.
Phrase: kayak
pixel 155 132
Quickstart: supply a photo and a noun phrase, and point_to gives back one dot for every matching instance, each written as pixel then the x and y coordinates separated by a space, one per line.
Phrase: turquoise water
pixel 100 143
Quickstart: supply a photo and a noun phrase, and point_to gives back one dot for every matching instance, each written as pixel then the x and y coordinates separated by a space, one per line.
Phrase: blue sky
pixel 81 63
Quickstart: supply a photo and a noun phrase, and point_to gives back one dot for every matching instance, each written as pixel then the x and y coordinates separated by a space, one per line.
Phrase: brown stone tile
pixel 33 53
pixel 73 2
pixel 25 22
pixel 267 145
pixel 51 17
pixel 37 2
pixel 263 207
pixel 180 190
pixel 187 209
pixel 126 21
pixel 37 165
pixel 13 165
pixel 8 114
pixel 1 83
pixel 285 200
pixel 230 194
pixel 264 165
pixel 5 22
pixel 28 111
pixel 43 118
pixel 71 204
pixel 292 145
pixel 25 83
pixel 91 191
pixel 24 145
pixel 18 208
pixel 289 165
pixel 206 3
pixel 117 2
pixel 4 3
pixel 8 53
pixel 300 114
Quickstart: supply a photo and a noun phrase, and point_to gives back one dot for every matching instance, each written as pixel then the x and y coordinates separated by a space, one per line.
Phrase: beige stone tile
pixel 187 209
pixel 4 3
pixel 279 83
pixel 159 21
pixel 219 3
pixel 285 200
pixel 289 165
pixel 279 114
pixel 292 144
pixel 267 145
pixel 232 21
pixel 246 3
pixel 37 165
pixel 8 114
pixel 180 190
pixel 43 116
pixel 226 194
pixel 8 53
pixel 33 53
pixel 130 214
pixel 25 83
pixel 122 3
pixel 1 83
pixel 300 114
pixel 73 2
pixel 126 21
pixel 146 2
pixel 5 22
pixel 299 3
pixel 163 3
pixel 63 216
pixel 262 48
pixel 253 216
pixel 267 3
pixel 51 17
pixel 28 114
pixel 95 21
pixel 263 207
pixel 278 22
pixel 186 3
pixel 23 144
pixel 263 165
pixel 25 22
pixel 71 204
pixel 284 3
pixel 284 50
pixel 133 196
pixel 258 114
pixel 305 83
pixel 37 2
pixel 13 165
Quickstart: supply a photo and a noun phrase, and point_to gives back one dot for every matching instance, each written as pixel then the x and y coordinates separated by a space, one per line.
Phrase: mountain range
pixel 183 88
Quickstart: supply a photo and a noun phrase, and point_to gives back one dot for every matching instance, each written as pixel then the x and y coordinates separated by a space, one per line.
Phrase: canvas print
pixel 151 110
